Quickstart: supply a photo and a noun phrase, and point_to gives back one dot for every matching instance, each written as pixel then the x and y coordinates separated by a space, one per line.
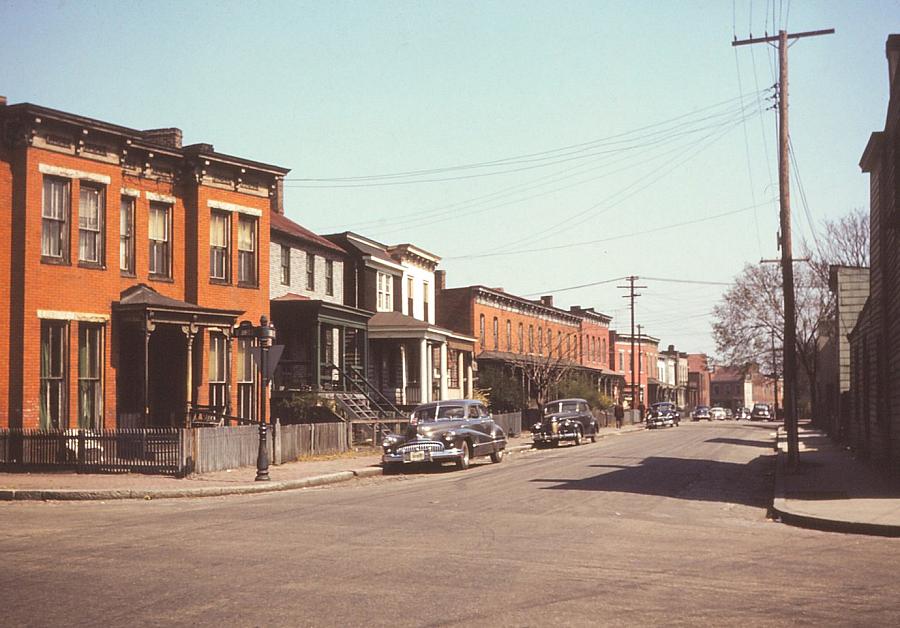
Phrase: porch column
pixel 444 388
pixel 189 331
pixel 403 360
pixel 461 374
pixel 424 379
pixel 470 379
pixel 228 366
pixel 317 354
pixel 149 328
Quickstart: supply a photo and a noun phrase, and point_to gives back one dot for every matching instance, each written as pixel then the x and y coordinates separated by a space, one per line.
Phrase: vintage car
pixel 717 413
pixel 701 412
pixel 762 412
pixel 663 414
pixel 446 431
pixel 565 419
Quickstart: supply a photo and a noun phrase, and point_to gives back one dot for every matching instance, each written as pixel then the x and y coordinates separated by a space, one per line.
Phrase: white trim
pixel 232 207
pixel 130 192
pixel 162 198
pixel 74 174
pixel 72 316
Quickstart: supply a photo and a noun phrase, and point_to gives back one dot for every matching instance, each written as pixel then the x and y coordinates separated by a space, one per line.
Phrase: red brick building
pixel 646 351
pixel 874 427
pixel 698 380
pixel 129 260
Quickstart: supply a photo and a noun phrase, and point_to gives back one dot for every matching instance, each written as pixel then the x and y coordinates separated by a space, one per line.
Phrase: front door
pixel 167 376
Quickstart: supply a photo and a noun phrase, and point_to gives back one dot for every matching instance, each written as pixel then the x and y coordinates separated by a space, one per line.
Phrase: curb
pixel 219 491
pixel 789 516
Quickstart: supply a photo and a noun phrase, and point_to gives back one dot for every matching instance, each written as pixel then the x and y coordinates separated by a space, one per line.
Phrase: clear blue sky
pixel 351 89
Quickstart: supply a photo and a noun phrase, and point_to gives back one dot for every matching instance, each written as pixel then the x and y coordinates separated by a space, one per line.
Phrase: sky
pixel 542 147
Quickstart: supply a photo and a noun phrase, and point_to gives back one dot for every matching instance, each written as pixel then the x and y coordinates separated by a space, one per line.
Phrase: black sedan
pixel 565 419
pixel 446 431
pixel 663 414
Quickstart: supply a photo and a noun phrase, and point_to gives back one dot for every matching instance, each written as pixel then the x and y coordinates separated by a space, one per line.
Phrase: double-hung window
pixel 496 334
pixel 218 246
pixel 520 338
pixel 426 306
pixel 410 294
pixel 218 371
pixel 285 265
pixel 90 376
pixel 508 335
pixel 246 398
pixel 385 292
pixel 540 336
pixel 481 330
pixel 54 410
pixel 126 235
pixel 55 220
pixel 90 224
pixel 329 277
pixel 247 250
pixel 160 240
pixel 310 271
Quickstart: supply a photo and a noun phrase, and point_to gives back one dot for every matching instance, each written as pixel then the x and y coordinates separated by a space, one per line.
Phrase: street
pixel 665 526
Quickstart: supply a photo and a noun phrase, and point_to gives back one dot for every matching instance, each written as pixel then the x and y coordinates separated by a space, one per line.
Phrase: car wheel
pixel 462 462
pixel 594 435
pixel 497 456
pixel 578 437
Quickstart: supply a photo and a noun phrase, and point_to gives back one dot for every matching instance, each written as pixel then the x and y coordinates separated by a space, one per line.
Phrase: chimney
pixel 671 348
pixel 892 51
pixel 2 101
pixel 277 200
pixel 165 137
pixel 547 300
pixel 440 280
pixel 201 147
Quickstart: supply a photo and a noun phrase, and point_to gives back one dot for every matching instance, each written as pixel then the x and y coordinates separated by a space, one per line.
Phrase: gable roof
pixel 285 226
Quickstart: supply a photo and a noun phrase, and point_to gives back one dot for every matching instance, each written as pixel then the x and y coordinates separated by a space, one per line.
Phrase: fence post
pixel 276 442
pixel 81 453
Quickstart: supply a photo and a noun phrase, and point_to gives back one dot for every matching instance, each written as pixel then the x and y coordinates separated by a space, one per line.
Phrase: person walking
pixel 619 413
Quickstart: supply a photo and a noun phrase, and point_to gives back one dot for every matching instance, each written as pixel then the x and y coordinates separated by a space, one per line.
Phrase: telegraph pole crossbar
pixel 631 296
pixel 789 368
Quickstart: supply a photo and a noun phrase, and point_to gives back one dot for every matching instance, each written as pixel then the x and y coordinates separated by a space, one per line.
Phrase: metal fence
pixel 158 451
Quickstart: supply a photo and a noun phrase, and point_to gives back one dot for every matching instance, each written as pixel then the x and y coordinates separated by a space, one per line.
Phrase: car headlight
pixel 536 426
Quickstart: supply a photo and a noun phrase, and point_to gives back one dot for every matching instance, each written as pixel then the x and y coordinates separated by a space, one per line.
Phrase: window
pixel 54 360
pixel 246 398
pixel 90 224
pixel 126 235
pixel 540 336
pixel 385 292
pixel 218 246
pixel 508 335
pixel 569 345
pixel 531 339
pixel 521 338
pixel 218 370
pixel 329 277
pixel 559 352
pixel 549 342
pixel 481 330
pixel 496 334
pixel 621 360
pixel 55 220
pixel 603 350
pixel 410 303
pixel 159 240
pixel 453 368
pixel 90 376
pixel 285 265
pixel 425 306
pixel 310 271
pixel 247 250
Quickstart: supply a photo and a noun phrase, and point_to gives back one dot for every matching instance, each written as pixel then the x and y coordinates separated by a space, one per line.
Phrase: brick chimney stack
pixel 440 280
pixel 278 197
pixel 166 137
pixel 547 300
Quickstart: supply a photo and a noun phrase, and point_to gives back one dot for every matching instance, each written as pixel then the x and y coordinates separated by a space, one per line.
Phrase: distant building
pixel 637 389
pixel 732 387
pixel 698 380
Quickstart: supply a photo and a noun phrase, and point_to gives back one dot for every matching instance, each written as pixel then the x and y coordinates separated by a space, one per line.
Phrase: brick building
pixel 636 389
pixel 874 428
pixel 128 258
pixel 734 388
pixel 698 380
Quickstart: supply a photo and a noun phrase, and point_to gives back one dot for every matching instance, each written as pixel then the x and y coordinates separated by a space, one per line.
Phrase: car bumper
pixel 549 438
pixel 426 456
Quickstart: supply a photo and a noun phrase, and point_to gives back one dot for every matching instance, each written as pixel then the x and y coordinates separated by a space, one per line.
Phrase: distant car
pixel 446 431
pixel 565 419
pixel 701 412
pixel 717 413
pixel 762 412
pixel 663 414
pixel 728 414
pixel 742 414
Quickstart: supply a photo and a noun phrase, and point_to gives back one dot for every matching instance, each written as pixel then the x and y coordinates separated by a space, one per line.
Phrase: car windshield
pixel 663 406
pixel 560 406
pixel 440 413
pixel 760 406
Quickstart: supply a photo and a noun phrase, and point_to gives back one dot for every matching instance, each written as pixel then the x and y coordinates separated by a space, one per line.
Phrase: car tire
pixel 578 437
pixel 462 463
pixel 497 456
pixel 594 435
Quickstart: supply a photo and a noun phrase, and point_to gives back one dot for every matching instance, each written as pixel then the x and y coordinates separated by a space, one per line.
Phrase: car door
pixel 585 418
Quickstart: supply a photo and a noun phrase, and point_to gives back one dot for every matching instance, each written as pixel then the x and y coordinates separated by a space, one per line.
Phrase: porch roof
pixel 141 300
pixel 315 309
pixel 387 325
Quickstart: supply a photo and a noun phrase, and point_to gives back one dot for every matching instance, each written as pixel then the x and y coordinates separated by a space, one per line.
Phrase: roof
pixel 727 374
pixel 396 319
pixel 291 296
pixel 363 246
pixel 284 225
pixel 142 296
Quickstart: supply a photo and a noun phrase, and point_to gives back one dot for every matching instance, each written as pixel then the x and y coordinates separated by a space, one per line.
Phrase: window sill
pixel 54 261
pixel 219 282
pixel 92 265
pixel 127 273
pixel 160 279
pixel 249 286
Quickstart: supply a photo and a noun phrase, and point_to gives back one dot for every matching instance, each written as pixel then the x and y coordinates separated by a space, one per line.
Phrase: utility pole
pixel 640 355
pixel 775 375
pixel 631 295
pixel 787 263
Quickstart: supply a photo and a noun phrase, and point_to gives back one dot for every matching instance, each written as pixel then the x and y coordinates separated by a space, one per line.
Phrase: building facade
pixel 637 387
pixel 698 380
pixel 130 259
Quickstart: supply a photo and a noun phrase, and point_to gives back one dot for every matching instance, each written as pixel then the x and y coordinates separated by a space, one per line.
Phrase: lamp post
pixel 265 337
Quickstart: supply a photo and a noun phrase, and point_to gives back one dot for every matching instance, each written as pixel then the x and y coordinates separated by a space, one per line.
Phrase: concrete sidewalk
pixel 294 475
pixel 832 490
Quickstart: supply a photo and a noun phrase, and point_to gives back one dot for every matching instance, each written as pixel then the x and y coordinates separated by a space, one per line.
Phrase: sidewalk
pixel 831 490
pixel 294 475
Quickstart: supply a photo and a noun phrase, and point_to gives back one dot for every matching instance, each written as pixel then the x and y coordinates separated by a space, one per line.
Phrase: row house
pixel 734 388
pixel 411 359
pixel 874 426
pixel 672 367
pixel 128 260
pixel 698 380
pixel 641 374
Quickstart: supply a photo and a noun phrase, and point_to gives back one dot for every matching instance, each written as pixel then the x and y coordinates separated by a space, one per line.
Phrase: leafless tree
pixel 544 372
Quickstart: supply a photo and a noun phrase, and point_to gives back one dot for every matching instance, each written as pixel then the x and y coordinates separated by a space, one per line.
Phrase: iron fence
pixel 159 451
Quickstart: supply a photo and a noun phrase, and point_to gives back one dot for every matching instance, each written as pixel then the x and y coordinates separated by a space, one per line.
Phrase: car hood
pixel 559 416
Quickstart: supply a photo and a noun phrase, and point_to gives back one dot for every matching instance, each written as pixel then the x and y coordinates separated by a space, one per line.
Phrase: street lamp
pixel 265 337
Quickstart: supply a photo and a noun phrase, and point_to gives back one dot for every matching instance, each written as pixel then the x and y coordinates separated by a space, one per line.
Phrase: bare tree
pixel 544 372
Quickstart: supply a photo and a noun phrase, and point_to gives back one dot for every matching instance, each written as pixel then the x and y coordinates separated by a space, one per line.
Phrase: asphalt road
pixel 662 527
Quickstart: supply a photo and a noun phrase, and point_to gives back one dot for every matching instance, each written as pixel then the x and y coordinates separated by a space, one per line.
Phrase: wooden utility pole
pixel 787 263
pixel 631 295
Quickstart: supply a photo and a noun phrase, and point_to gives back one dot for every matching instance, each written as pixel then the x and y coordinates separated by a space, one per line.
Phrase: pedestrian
pixel 619 412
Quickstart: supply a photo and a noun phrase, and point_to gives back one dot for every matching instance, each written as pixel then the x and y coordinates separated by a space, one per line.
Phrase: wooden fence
pixel 511 422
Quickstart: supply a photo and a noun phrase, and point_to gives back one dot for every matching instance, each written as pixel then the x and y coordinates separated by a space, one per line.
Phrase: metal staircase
pixel 362 401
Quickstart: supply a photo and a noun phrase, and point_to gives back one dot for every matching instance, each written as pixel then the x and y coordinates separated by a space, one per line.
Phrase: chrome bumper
pixel 429 456
pixel 545 438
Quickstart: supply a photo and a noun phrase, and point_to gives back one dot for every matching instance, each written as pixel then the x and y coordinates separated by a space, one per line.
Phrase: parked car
pixel 762 412
pixel 663 414
pixel 701 412
pixel 446 431
pixel 717 413
pixel 728 414
pixel 565 419
pixel 742 414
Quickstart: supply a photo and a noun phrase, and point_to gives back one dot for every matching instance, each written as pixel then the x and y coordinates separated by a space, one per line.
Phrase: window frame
pixel 160 245
pixel 63 221
pixel 90 384
pixel 310 271
pixel 97 232
pixel 253 254
pixel 285 265
pixel 329 277
pixel 127 207
pixel 481 330
pixel 223 250
pixel 51 381
pixel 218 369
